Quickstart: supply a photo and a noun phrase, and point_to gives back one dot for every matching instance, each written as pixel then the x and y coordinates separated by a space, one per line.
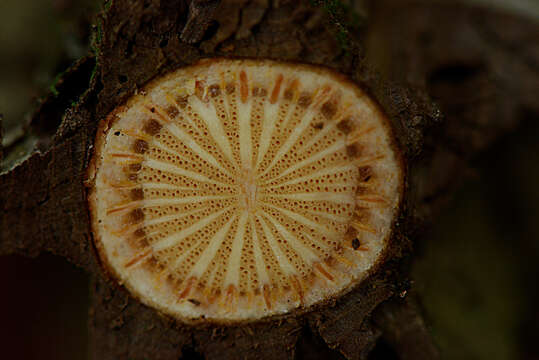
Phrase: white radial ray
pixel 211 275
pixel 329 216
pixel 158 144
pixel 148 203
pixel 208 114
pixel 121 153
pixel 270 118
pixel 318 242
pixel 314 175
pixel 284 264
pixel 159 165
pixel 175 238
pixel 244 122
pixel 162 146
pixel 185 200
pixel 152 186
pixel 315 157
pixel 373 200
pixel 193 145
pixel 302 219
pixel 182 113
pixel 318 196
pixel 164 186
pixel 319 135
pixel 167 218
pixel 294 136
pixel 259 257
pixel 209 252
pixel 369 160
pixel 303 251
pixel 233 267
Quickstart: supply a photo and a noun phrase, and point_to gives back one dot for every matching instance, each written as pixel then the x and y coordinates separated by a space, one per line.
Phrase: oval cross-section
pixel 232 190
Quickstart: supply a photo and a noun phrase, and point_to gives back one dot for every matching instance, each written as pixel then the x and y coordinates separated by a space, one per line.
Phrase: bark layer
pixel 43 200
pixel 480 65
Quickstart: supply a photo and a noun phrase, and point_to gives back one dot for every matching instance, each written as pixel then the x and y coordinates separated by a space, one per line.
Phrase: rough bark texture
pixel 404 328
pixel 481 66
pixel 1 138
pixel 43 200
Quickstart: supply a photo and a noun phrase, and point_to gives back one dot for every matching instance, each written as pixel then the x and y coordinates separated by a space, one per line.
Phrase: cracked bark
pixel 43 199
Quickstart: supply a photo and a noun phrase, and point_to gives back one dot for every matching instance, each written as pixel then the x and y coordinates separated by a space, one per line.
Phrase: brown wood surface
pixel 43 199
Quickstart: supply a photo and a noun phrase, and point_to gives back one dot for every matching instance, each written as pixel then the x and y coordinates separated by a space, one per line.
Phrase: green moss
pixel 52 87
pixel 97 33
pixel 93 74
pixel 107 5
pixel 97 37
pixel 343 17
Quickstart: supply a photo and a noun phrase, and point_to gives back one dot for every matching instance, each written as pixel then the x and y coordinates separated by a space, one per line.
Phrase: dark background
pixel 477 272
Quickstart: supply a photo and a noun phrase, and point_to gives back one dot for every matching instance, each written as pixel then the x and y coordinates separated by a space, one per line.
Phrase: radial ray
pixel 208 114
pixel 259 258
pixel 244 123
pixel 302 219
pixel 303 251
pixel 163 219
pixel 317 242
pixel 271 111
pixel 317 196
pixel 175 238
pixel 233 266
pixel 315 157
pixel 284 264
pixel 156 143
pixel 369 160
pixel 129 228
pixel 209 252
pixel 332 217
pixel 319 136
pixel 126 156
pixel 164 186
pixel 314 175
pixel 296 133
pixel 193 145
pixel 183 115
pixel 137 259
pixel 159 165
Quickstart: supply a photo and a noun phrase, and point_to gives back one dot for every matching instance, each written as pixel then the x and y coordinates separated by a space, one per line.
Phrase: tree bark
pixel 43 199
pixel 480 65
